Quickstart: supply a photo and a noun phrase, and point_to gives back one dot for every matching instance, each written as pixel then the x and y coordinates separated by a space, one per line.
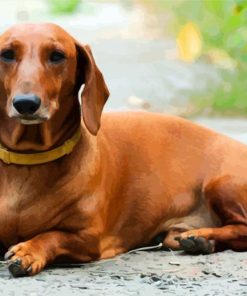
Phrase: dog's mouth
pixel 27 119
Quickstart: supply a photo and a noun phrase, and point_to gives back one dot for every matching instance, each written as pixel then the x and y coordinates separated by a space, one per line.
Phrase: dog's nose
pixel 26 104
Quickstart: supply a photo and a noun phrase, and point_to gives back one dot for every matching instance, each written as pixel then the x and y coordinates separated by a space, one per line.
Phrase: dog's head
pixel 41 69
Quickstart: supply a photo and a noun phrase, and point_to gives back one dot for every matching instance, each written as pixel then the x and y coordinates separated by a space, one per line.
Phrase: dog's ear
pixel 95 92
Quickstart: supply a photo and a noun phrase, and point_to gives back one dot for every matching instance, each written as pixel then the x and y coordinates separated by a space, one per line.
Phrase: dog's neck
pixel 39 137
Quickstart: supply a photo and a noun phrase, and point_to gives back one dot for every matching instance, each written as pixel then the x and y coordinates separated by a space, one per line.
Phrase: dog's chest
pixel 25 209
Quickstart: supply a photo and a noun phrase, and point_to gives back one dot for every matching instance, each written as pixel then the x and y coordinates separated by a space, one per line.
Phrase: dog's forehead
pixel 38 32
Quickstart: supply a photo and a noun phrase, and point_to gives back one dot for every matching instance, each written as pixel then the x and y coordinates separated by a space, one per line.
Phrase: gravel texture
pixel 140 273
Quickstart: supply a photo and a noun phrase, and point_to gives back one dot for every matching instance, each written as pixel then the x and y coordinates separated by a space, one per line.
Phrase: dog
pixel 92 188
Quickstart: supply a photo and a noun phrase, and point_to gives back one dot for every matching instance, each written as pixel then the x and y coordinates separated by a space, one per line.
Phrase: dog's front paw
pixel 25 259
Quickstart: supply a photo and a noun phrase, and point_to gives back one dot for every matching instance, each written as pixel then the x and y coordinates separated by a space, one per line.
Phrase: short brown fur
pixel 137 176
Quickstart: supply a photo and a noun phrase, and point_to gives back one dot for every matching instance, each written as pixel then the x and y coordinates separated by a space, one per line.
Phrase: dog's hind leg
pixel 228 200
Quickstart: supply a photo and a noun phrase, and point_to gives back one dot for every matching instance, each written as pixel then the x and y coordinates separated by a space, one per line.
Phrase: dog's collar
pixel 10 157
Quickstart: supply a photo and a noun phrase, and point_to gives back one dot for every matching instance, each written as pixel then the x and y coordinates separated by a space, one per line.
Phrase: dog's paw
pixel 196 245
pixel 24 260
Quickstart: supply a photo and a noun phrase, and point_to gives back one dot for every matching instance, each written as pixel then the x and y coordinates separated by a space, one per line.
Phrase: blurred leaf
pixel 63 6
pixel 189 42
pixel 239 6
pixel 221 58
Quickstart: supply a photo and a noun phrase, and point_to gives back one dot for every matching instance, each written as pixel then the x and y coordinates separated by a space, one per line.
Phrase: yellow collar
pixel 42 157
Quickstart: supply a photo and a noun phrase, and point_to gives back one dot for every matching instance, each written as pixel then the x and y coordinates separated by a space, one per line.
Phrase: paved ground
pixel 143 273
pixel 141 73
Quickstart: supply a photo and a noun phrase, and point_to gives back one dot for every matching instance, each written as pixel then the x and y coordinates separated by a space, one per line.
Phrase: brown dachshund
pixel 119 186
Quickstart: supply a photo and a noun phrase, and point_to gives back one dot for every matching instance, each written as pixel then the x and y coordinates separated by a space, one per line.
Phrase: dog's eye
pixel 7 55
pixel 56 57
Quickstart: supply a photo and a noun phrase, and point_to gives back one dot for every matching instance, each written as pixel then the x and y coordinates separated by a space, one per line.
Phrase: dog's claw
pixel 188 245
pixel 197 245
pixel 8 255
pixel 16 269
pixel 29 270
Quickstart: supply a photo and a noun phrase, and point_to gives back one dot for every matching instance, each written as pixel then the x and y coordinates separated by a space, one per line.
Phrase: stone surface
pixel 140 273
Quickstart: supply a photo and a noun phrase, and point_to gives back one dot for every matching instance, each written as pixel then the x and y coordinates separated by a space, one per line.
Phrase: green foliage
pixel 63 6
pixel 223 23
pixel 228 99
pixel 223 26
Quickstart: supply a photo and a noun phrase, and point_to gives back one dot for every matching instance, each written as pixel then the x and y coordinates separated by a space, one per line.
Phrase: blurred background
pixel 182 57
